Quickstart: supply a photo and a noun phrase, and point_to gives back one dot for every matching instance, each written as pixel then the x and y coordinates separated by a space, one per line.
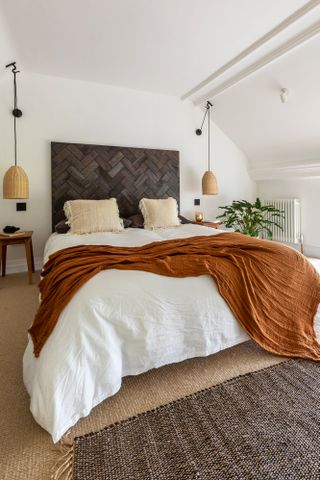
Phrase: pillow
pixel 126 222
pixel 89 216
pixel 184 220
pixel 159 213
pixel 136 220
pixel 62 227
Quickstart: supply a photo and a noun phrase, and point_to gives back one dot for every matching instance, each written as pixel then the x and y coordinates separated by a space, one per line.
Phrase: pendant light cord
pixel 199 131
pixel 204 117
pixel 15 139
pixel 15 101
pixel 16 112
pixel 209 142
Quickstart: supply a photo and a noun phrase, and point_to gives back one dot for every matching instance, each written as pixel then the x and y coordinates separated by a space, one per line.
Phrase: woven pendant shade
pixel 15 183
pixel 209 183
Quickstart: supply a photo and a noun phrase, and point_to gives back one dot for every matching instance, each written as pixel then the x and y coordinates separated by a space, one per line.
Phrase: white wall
pixel 308 190
pixel 56 109
pixel 7 47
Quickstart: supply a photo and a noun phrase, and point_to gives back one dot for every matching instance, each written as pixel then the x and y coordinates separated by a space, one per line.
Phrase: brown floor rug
pixel 262 425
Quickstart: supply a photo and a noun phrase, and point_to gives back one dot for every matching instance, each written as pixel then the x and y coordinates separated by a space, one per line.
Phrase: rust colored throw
pixel 272 290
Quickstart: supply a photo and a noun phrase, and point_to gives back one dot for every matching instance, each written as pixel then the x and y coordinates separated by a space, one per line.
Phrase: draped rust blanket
pixel 272 290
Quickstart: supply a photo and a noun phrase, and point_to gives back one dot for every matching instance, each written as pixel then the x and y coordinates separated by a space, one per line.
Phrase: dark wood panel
pixel 81 171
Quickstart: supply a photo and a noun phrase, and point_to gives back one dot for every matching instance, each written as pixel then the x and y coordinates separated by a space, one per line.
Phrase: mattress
pixel 123 323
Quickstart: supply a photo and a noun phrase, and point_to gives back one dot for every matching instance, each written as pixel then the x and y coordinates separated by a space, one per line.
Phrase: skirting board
pixel 312 251
pixel 20 265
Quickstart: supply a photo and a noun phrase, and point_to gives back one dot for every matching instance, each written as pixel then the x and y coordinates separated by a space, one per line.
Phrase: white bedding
pixel 122 323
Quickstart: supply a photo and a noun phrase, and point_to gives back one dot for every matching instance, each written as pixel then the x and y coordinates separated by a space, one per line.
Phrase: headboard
pixel 82 171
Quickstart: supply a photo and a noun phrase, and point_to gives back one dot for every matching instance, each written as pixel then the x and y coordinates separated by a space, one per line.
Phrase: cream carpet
pixel 26 450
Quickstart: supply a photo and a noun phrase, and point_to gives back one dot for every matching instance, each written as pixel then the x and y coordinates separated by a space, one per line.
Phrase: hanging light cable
pixel 209 181
pixel 15 180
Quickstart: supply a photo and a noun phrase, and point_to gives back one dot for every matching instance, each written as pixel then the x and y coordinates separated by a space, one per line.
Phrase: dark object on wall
pixel 197 201
pixel 21 206
pixel 206 114
pixel 82 171
pixel 11 229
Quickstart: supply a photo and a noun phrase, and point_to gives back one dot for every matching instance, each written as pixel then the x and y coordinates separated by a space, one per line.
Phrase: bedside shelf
pixel 208 224
pixel 26 239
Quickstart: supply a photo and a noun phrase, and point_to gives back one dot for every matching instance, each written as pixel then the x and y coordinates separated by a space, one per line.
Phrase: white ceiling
pixel 165 46
pixel 170 46
pixel 267 130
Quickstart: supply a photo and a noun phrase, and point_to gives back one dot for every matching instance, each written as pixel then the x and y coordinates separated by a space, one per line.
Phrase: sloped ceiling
pixel 268 131
pixel 165 46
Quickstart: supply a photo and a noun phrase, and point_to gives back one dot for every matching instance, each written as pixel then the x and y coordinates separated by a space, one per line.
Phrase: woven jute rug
pixel 262 425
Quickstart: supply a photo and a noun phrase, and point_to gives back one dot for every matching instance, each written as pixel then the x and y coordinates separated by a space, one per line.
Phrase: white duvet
pixel 122 323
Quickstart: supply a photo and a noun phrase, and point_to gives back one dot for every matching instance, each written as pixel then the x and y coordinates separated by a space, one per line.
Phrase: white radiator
pixel 291 232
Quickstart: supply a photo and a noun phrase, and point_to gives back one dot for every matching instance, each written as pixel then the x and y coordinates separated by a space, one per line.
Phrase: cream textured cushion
pixel 159 213
pixel 89 216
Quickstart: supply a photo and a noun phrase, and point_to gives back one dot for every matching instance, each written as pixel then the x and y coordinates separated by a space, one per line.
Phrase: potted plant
pixel 252 219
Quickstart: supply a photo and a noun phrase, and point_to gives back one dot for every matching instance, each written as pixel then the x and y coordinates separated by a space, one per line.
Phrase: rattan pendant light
pixel 209 180
pixel 15 180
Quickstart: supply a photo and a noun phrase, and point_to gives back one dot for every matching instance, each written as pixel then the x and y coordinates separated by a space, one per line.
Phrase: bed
pixel 121 323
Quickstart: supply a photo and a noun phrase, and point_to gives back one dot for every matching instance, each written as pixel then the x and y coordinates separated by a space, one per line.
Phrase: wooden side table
pixel 208 224
pixel 25 238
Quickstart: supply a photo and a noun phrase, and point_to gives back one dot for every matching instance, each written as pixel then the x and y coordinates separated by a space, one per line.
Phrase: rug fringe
pixel 64 466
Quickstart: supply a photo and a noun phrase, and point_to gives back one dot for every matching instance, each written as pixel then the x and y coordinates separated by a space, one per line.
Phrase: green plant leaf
pixel 251 218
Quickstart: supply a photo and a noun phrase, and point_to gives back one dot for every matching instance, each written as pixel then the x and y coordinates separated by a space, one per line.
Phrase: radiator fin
pixel 291 232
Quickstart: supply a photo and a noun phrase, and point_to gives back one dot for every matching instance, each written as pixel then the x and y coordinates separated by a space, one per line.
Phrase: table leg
pixel 29 258
pixel 3 258
pixel 32 257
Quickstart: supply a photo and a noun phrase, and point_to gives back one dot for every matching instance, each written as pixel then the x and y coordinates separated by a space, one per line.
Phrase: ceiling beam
pixel 212 91
pixel 264 61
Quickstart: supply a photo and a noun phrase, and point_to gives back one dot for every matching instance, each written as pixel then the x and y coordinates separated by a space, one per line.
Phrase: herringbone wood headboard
pixel 82 171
